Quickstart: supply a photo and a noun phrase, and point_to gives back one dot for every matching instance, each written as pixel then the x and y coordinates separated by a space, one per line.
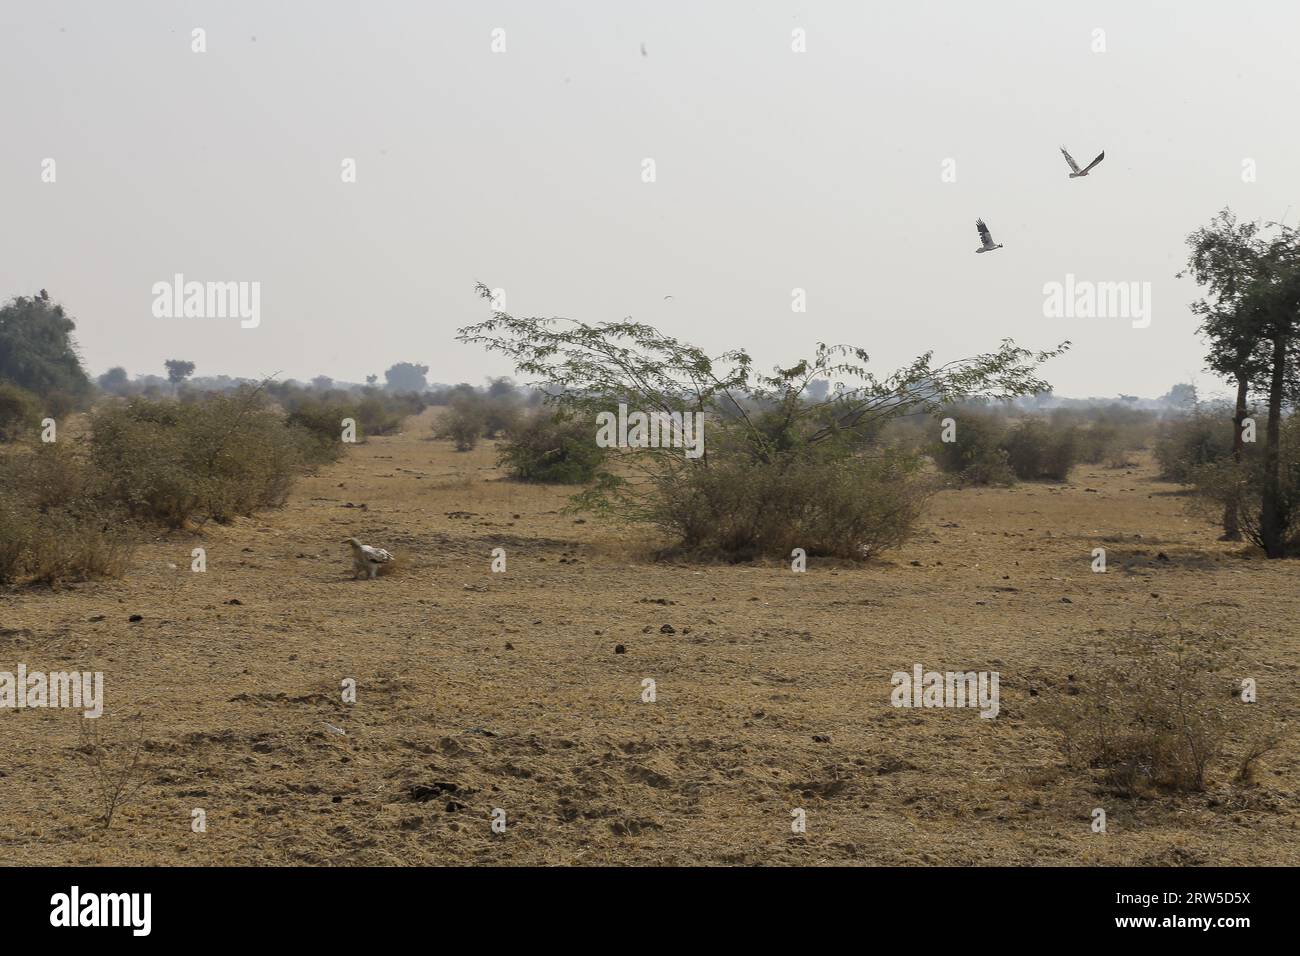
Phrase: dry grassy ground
pixel 479 690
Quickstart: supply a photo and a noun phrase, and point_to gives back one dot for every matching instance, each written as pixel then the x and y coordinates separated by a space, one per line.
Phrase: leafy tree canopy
pixel 37 351
pixel 407 377
pixel 178 370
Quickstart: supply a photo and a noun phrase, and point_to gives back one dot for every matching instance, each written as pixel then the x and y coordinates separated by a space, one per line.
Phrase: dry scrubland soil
pixel 478 691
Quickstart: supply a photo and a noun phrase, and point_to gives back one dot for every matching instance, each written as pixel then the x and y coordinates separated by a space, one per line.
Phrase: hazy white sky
pixel 775 170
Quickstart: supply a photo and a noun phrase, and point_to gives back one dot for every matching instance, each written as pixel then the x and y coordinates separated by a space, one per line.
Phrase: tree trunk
pixel 1272 520
pixel 1231 523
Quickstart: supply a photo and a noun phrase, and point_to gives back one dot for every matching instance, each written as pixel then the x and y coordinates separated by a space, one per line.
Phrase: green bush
pixel 790 463
pixel 975 456
pixel 37 351
pixel 1037 450
pixel 551 448
pixel 1184 444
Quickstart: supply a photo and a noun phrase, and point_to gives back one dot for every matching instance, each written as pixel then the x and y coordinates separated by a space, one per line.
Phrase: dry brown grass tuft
pixel 1151 714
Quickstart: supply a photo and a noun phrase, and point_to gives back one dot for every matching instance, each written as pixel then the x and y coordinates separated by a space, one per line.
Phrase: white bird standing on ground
pixel 367 560
pixel 1077 172
pixel 986 239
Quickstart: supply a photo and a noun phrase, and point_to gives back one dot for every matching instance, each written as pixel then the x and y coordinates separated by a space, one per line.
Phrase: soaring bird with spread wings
pixel 1076 171
pixel 367 560
pixel 986 238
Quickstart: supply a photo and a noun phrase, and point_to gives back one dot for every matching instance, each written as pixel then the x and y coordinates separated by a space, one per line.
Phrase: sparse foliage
pixel 766 423
pixel 463 423
pixel 1149 714
pixel 120 768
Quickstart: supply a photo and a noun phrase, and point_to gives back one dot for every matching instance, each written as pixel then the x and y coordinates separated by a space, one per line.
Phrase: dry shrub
pixel 737 509
pixel 224 456
pixel 54 524
pixel 1201 438
pixel 119 767
pixel 1037 450
pixel 54 474
pixel 65 513
pixel 1119 456
pixel 1260 744
pixel 1104 443
pixel 321 423
pixel 20 412
pixel 382 414
pixel 140 451
pixel 15 531
pixel 59 404
pixel 1153 714
pixel 502 415
pixel 464 423
pixel 69 547
pixel 320 413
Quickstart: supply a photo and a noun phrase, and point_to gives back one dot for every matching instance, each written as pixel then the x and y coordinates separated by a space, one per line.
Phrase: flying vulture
pixel 986 239
pixel 1077 172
